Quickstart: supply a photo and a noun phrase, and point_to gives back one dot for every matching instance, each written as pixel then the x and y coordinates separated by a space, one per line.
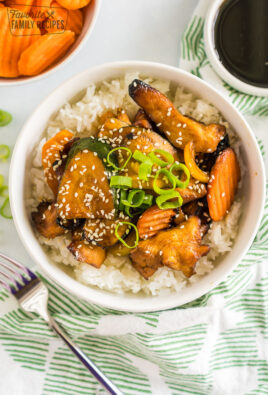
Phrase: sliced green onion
pixel 4 152
pixel 121 182
pixel 123 196
pixel 171 179
pixel 169 158
pixel 113 151
pixel 181 167
pixel 148 200
pixel 145 169
pixel 140 157
pixel 5 118
pixel 1 180
pixel 4 188
pixel 129 212
pixel 122 240
pixel 135 198
pixel 163 201
pixel 5 209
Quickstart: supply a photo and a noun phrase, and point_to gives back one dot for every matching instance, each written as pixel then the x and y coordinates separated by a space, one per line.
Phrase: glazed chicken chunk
pixel 45 220
pixel 178 248
pixel 178 128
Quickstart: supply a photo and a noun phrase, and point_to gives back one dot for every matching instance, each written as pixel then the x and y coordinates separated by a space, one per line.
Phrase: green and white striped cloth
pixel 216 345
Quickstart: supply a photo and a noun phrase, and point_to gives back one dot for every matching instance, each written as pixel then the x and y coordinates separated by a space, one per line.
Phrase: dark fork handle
pixel 111 388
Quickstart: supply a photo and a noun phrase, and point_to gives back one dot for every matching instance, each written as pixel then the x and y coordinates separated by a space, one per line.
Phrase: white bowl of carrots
pixel 37 36
pixel 254 186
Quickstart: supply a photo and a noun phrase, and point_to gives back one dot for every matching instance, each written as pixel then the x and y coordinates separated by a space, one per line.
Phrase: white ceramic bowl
pixel 90 17
pixel 254 186
pixel 214 59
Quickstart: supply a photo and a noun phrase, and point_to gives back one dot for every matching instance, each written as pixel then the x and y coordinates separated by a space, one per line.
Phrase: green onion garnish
pixel 5 209
pixel 147 200
pixel 4 152
pixel 135 198
pixel 181 167
pixel 163 201
pixel 128 211
pixel 5 118
pixel 171 179
pixel 140 157
pixel 123 196
pixel 145 169
pixel 146 165
pixel 5 206
pixel 4 188
pixel 169 158
pixel 121 182
pixel 122 240
pixel 125 163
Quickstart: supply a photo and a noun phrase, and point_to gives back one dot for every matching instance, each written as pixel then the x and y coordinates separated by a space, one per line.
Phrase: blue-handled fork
pixel 32 295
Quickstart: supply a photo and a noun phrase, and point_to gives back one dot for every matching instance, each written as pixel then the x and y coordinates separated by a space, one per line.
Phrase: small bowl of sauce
pixel 236 41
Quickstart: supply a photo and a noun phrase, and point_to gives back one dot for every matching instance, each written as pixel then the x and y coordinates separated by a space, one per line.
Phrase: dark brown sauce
pixel 241 39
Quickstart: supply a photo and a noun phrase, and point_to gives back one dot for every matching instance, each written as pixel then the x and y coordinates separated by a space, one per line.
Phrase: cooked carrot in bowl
pixel 44 52
pixel 73 4
pixel 35 34
pixel 13 43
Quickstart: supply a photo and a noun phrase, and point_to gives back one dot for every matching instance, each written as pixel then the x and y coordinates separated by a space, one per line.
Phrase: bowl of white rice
pixel 76 105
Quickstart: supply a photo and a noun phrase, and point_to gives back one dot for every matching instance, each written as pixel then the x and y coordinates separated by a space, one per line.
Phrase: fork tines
pixel 13 275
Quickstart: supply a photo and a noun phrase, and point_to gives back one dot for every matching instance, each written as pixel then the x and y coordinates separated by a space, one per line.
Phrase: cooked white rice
pixel 117 274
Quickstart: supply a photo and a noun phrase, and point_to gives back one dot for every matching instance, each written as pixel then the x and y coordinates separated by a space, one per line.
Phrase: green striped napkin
pixel 217 344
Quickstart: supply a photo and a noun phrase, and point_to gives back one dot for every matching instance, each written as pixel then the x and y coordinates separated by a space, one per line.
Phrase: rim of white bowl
pixel 45 74
pixel 214 58
pixel 130 303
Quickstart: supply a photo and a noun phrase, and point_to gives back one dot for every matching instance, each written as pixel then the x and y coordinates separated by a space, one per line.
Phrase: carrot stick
pixel 44 52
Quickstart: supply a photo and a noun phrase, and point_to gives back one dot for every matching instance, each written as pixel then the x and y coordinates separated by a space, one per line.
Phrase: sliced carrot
pixel 73 4
pixel 57 18
pixel 16 34
pixel 50 153
pixel 189 159
pixel 42 3
pixel 75 21
pixel 153 220
pixel 223 182
pixel 21 5
pixel 44 52
pixel 63 19
pixel 2 5
pixel 41 10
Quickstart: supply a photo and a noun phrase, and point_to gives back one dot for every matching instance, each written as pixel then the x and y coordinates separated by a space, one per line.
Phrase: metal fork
pixel 32 296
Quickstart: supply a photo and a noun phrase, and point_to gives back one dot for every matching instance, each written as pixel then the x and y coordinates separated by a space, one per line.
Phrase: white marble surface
pixel 125 29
